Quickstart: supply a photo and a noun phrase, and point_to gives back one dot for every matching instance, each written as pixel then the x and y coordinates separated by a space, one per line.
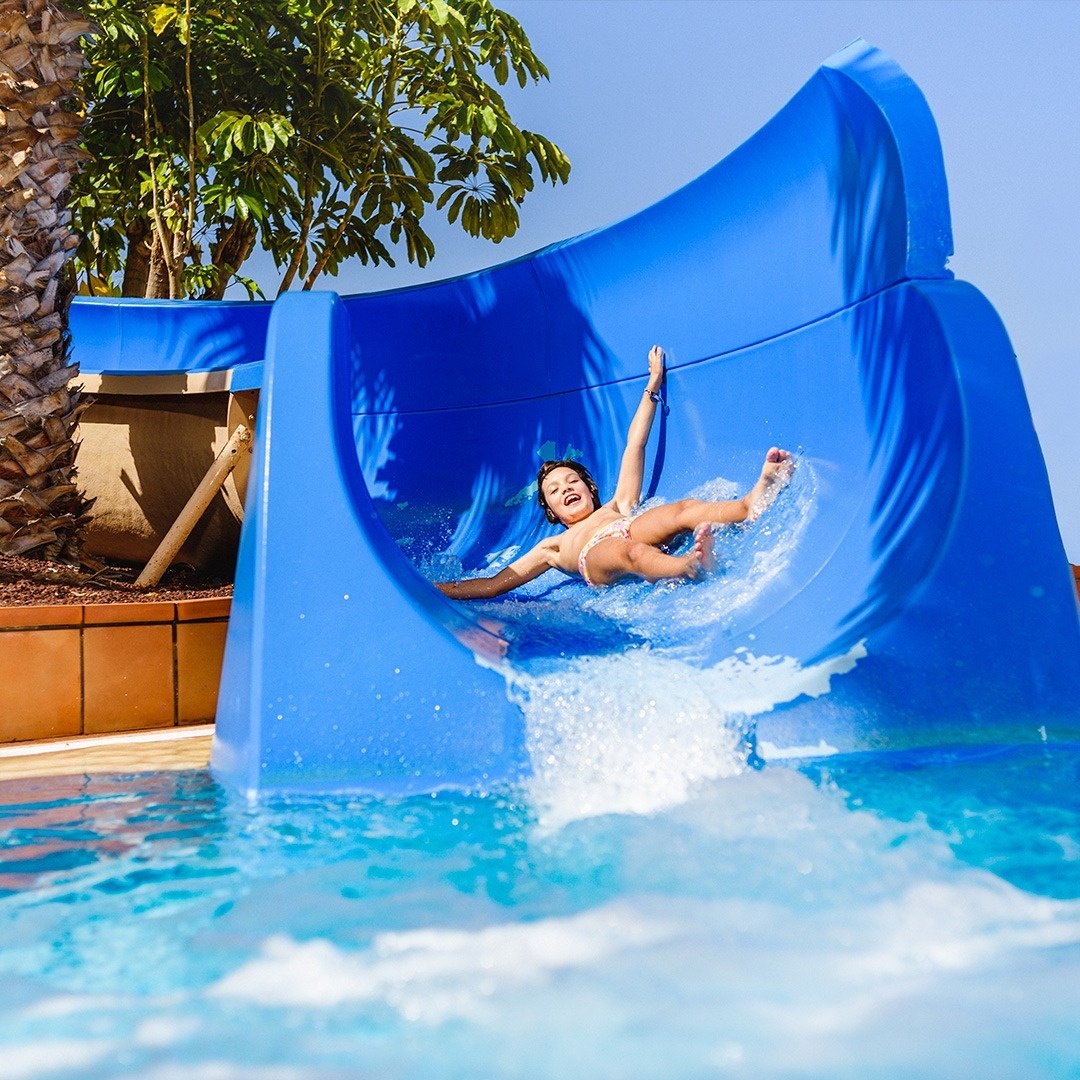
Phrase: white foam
pixel 771 752
pixel 635 732
pixel 434 974
pixel 63 1006
pixel 889 956
pixel 44 1057
pixel 939 926
pixel 164 1030
pixel 223 1070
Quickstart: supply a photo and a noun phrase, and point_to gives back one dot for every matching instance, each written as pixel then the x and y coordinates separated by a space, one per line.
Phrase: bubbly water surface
pixel 860 917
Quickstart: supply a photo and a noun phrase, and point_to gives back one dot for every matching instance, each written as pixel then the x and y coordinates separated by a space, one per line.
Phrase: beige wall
pixel 141 457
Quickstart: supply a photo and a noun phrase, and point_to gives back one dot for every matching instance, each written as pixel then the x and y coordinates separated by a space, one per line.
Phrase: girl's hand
pixel 656 368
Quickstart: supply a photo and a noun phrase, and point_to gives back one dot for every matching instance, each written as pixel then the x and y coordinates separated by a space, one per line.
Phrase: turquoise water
pixel 912 915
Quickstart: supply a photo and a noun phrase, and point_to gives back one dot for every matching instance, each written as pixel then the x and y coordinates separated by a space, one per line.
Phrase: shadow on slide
pixel 909 587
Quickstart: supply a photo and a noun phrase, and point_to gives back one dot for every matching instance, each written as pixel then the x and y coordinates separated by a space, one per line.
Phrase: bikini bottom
pixel 619 528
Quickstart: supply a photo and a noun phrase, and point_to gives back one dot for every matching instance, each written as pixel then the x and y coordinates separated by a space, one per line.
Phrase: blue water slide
pixel 801 293
pixel 161 337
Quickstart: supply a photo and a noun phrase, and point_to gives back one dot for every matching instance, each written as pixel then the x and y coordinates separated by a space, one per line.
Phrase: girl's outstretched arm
pixel 632 469
pixel 531 565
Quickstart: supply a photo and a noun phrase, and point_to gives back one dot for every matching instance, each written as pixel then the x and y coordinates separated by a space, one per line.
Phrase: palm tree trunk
pixel 41 511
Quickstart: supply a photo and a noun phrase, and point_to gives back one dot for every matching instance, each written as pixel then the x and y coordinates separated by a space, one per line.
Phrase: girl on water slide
pixel 602 541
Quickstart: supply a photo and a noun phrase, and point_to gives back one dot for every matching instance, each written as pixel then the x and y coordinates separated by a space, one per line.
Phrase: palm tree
pixel 41 113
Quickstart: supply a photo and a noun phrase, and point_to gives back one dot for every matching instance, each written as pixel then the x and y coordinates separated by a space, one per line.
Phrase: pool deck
pixel 123 752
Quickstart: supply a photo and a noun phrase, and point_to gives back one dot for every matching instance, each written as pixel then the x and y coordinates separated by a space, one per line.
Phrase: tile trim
pixel 46 619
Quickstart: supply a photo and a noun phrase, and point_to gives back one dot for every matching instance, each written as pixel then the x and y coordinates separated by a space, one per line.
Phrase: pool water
pixel 892 915
pixel 653 903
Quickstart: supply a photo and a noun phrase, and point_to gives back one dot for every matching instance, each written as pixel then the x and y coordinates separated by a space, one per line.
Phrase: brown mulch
pixel 25 581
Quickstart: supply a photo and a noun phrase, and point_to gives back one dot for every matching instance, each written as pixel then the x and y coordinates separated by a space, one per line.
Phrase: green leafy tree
pixel 321 129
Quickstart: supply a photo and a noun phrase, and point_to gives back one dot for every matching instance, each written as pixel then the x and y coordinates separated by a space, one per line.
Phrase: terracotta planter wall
pixel 83 670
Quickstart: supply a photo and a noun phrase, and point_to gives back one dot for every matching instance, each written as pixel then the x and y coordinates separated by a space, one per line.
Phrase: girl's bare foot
pixel 701 558
pixel 778 461
pixel 775 474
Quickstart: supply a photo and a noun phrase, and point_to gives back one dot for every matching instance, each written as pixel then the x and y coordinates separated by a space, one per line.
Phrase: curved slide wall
pixel 801 293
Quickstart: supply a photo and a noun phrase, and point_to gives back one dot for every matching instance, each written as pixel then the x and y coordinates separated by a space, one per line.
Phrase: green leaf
pixel 264 136
pixel 505 138
pixel 252 286
pixel 162 17
pixel 470 216
pixel 455 207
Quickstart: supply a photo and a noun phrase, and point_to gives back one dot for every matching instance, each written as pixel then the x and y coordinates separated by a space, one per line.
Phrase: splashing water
pixel 620 718
pixel 635 733
pixel 750 560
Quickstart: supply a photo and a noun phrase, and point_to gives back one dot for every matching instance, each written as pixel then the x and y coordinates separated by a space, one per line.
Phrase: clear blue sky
pixel 646 94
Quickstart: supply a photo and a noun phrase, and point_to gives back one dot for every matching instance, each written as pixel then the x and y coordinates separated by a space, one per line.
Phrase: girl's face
pixel 567 495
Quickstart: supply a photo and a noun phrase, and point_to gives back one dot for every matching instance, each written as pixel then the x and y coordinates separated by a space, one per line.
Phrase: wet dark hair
pixel 580 469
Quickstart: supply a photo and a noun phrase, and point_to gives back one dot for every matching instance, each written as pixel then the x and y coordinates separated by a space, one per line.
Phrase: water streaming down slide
pixel 909 588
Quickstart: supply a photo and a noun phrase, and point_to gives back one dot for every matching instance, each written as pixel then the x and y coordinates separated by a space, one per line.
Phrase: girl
pixel 602 542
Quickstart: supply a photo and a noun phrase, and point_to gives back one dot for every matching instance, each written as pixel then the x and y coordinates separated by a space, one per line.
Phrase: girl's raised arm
pixel 632 469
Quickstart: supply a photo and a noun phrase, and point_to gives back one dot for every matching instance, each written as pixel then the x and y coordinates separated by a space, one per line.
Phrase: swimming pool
pixel 891 915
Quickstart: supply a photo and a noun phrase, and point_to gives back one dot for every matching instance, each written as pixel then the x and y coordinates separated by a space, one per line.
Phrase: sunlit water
pixel 650 904
pixel 867 916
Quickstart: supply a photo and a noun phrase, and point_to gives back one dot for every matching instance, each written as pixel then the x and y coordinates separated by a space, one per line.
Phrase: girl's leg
pixel 662 524
pixel 614 558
